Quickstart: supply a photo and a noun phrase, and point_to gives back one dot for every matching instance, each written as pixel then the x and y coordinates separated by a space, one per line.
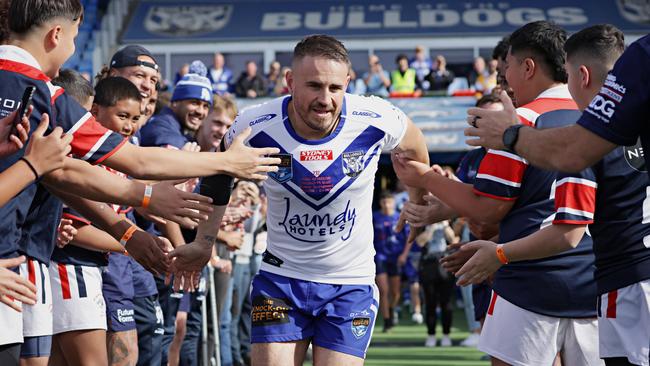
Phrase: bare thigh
pixel 279 353
pixel 328 357
pixel 122 348
pixel 83 347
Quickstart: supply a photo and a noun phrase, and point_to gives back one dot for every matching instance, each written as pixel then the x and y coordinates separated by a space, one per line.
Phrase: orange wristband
pixel 148 191
pixel 127 235
pixel 501 254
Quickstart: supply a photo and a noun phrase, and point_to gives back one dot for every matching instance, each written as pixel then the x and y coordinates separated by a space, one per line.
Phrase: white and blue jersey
pixel 320 215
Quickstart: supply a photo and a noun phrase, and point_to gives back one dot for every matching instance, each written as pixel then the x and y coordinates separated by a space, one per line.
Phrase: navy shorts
pixel 384 266
pixel 410 269
pixel 118 293
pixel 481 295
pixel 40 346
pixel 336 317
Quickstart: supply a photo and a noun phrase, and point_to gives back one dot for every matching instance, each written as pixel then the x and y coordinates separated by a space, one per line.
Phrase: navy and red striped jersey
pixel 619 219
pixel 567 279
pixel 29 220
pixel 71 254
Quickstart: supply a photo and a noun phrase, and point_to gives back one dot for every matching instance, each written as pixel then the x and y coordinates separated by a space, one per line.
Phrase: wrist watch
pixel 510 137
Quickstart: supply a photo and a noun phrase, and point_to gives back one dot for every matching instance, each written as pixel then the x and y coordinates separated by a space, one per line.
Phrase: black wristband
pixel 218 187
pixel 30 167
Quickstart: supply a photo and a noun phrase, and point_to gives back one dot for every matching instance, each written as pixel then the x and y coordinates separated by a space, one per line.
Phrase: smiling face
pixel 145 78
pixel 191 112
pixel 214 128
pixel 317 87
pixel 122 117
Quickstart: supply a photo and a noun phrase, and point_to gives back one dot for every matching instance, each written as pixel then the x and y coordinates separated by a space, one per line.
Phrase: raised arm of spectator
pixel 160 164
pixel 98 184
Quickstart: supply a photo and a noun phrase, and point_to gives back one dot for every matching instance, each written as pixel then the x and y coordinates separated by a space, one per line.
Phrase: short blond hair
pixel 224 104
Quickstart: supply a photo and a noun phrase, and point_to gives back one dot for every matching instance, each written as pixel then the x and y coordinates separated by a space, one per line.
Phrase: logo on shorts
pixel 269 311
pixel 285 170
pixel 360 323
pixel 352 163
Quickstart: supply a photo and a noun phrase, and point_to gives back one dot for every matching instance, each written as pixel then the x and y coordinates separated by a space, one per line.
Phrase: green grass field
pixel 404 346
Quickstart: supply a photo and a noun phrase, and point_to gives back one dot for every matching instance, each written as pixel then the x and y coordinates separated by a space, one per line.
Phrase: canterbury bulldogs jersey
pixel 30 219
pixel 319 213
pixel 566 280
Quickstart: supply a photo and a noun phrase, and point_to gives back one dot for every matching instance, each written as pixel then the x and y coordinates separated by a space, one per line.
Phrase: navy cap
pixel 128 56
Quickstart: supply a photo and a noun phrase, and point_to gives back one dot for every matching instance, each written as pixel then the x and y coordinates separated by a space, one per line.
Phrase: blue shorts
pixel 40 346
pixel 118 293
pixel 336 317
pixel 410 269
pixel 385 266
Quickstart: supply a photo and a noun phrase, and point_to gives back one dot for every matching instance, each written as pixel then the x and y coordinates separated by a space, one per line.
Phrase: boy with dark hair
pixel 79 308
pixel 42 38
pixel 617 220
pixel 522 199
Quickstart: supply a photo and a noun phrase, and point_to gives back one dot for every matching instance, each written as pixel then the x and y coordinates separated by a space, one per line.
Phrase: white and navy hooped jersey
pixel 319 216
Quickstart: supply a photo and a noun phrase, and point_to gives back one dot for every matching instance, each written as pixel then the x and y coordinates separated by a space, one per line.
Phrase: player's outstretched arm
pixel 549 241
pixel 159 164
pixel 98 184
pixel 568 149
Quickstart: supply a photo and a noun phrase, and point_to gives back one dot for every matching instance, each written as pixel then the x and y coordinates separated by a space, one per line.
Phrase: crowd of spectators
pixel 410 76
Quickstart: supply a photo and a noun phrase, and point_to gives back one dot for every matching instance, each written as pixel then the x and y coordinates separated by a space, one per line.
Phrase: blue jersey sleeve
pixel 619 113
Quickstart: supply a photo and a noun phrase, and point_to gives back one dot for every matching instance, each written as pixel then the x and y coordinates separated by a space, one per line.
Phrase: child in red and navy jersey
pixel 526 302
pixel 610 197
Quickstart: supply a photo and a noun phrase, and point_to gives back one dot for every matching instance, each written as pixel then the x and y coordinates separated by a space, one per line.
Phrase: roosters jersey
pixel 30 219
pixel 567 279
pixel 620 223
pixel 71 254
pixel 320 216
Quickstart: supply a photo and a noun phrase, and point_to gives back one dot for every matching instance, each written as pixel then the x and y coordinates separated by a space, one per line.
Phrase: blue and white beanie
pixel 194 85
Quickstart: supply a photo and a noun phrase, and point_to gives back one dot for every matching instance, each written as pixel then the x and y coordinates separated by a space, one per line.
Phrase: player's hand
pixel 249 163
pixel 150 251
pixel 483 230
pixel 13 137
pixel 146 213
pixel 65 233
pixel 233 239
pixel 488 125
pixel 184 208
pixel 190 257
pixel 410 172
pixel 481 265
pixel 454 261
pixel 13 286
pixel 47 153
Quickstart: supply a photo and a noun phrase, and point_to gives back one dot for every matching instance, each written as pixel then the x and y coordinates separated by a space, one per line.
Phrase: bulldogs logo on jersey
pixel 187 20
pixel 285 170
pixel 352 163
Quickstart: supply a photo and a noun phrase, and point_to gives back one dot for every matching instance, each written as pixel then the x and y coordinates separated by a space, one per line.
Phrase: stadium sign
pixel 204 20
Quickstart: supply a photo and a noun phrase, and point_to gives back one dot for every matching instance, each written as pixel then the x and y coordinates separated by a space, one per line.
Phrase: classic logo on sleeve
pixel 285 171
pixel 352 163
pixel 269 311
